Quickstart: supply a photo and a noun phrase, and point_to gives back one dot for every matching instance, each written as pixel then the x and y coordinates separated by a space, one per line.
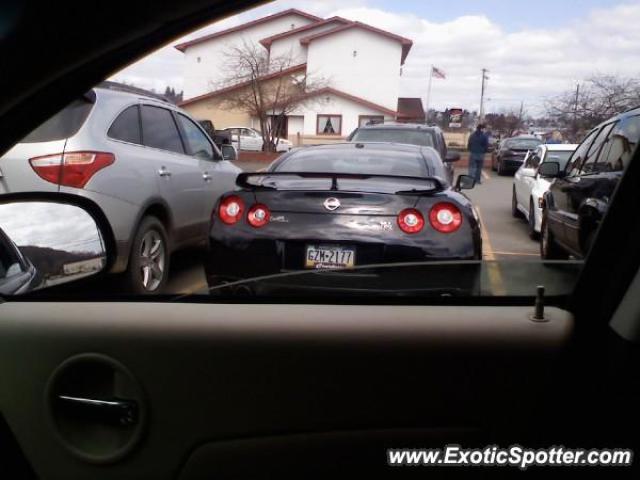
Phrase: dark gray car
pixel 410 134
pixel 147 166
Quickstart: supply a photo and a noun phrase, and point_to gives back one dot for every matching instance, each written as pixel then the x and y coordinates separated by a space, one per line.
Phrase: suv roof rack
pixel 121 87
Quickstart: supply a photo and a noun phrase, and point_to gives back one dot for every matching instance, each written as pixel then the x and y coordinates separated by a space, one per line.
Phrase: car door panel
pixel 177 174
pixel 212 375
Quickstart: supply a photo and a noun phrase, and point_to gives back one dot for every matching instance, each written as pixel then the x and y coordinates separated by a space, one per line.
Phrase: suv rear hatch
pixel 46 144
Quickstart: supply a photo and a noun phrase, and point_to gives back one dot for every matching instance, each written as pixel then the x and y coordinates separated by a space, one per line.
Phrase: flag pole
pixel 426 107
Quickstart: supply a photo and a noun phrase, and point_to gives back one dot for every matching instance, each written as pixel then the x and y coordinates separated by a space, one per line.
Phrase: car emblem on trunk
pixel 331 203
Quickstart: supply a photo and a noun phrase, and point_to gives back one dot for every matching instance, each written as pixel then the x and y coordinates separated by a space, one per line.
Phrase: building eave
pixel 292 11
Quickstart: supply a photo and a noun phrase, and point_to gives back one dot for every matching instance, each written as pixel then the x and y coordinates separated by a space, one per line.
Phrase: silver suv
pixel 144 163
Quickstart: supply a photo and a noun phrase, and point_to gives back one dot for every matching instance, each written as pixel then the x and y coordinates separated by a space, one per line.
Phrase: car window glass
pixel 126 126
pixel 63 124
pixel 580 153
pixel 411 137
pixel 619 147
pixel 559 156
pixel 159 130
pixel 588 166
pixel 199 144
pixel 360 161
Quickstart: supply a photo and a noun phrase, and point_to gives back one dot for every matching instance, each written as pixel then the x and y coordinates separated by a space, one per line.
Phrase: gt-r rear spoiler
pixel 243 181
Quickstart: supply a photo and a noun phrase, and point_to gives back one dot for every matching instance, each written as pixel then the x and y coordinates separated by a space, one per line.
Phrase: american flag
pixel 437 73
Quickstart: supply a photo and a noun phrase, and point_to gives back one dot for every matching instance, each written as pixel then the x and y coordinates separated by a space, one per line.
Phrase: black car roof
pixel 399 126
pixel 378 146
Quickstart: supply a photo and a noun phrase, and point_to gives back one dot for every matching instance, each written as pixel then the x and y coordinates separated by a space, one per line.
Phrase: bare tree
pixel 595 100
pixel 271 88
pixel 506 122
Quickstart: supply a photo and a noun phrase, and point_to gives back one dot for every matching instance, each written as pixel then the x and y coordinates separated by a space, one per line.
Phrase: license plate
pixel 329 256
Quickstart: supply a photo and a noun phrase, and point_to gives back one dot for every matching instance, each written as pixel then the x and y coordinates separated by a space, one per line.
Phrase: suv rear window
pixel 63 124
pixel 127 126
pixel 422 138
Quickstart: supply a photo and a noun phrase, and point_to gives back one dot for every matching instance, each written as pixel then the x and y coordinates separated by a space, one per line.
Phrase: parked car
pixel 509 156
pixel 343 206
pixel 579 196
pixel 409 134
pixel 146 165
pixel 529 186
pixel 249 139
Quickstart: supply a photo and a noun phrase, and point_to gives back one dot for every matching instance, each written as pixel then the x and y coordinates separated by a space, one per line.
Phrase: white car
pixel 529 186
pixel 248 139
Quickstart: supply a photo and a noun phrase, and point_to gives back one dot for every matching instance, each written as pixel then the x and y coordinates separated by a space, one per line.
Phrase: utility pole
pixel 575 108
pixel 484 78
pixel 520 114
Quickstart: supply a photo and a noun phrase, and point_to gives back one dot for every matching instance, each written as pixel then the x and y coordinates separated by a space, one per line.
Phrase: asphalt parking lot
pixel 504 237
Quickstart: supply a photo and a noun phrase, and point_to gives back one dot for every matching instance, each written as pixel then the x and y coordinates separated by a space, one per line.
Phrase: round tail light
pixel 410 220
pixel 230 209
pixel 445 217
pixel 258 215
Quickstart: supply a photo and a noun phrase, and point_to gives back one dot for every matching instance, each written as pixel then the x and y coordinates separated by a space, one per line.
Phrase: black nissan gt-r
pixel 336 209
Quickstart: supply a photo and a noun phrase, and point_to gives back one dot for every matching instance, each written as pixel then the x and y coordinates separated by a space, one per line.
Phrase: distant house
pixel 361 65
pixel 410 110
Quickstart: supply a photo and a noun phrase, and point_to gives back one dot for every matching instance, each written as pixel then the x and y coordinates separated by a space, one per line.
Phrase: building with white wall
pixel 359 64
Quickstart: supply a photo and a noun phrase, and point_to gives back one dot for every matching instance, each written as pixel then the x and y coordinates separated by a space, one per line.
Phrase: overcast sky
pixel 533 50
pixel 52 225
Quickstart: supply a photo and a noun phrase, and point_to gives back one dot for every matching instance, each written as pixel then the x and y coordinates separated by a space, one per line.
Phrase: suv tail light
pixel 410 220
pixel 231 209
pixel 445 217
pixel 72 169
pixel 258 215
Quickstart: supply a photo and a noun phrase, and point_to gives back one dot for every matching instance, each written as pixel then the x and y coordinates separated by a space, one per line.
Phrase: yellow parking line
pixel 518 254
pixel 493 268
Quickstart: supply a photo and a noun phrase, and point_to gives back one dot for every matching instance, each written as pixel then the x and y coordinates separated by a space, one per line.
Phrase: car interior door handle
pixel 113 410
pixel 163 172
pixel 206 177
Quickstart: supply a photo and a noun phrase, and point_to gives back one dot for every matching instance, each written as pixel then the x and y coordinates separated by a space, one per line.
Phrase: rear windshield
pixel 423 138
pixel 523 143
pixel 560 157
pixel 355 161
pixel 63 124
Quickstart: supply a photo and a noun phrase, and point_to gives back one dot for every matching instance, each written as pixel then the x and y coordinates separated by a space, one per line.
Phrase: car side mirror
pixel 44 243
pixel 464 182
pixel 452 157
pixel 229 152
pixel 549 169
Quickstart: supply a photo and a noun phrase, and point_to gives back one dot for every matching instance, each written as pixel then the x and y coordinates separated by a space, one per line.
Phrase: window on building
pixel 370 120
pixel 329 125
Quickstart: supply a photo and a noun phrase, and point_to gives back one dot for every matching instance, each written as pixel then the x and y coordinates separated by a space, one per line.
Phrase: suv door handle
pixel 206 177
pixel 163 172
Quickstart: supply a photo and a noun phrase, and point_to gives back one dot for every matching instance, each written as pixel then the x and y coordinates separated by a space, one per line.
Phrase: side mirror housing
pixel 464 182
pixel 452 157
pixel 229 152
pixel 549 169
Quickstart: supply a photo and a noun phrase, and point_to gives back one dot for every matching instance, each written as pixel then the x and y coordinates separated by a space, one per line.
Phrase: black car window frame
pixel 175 124
pixel 139 125
pixel 575 162
pixel 608 144
pixel 594 150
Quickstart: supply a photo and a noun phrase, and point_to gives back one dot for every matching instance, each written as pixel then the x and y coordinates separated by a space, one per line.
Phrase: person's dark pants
pixel 476 162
